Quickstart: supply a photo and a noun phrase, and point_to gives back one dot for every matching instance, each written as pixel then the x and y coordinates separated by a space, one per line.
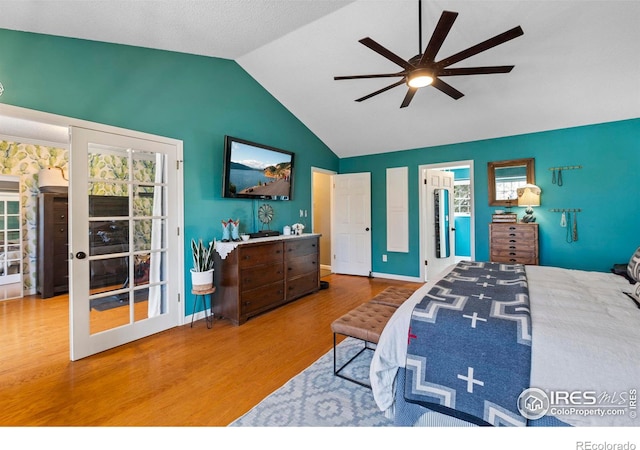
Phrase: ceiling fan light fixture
pixel 420 78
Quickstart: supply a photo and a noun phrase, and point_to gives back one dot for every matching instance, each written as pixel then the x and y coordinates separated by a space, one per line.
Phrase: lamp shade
pixel 529 195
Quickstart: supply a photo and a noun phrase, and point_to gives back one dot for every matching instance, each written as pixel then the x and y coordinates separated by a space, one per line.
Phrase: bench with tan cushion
pixel 392 296
pixel 365 323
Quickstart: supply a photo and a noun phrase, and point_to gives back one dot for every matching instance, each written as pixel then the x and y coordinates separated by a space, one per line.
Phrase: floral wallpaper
pixel 26 160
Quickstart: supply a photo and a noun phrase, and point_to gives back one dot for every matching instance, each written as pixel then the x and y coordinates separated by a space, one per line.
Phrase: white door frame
pixel 424 238
pixel 58 121
pixel 325 211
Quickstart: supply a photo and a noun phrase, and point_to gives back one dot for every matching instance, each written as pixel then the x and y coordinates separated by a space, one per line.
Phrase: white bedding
pixel 586 336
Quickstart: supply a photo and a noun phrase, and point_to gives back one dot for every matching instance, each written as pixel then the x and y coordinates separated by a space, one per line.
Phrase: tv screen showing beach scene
pixel 257 171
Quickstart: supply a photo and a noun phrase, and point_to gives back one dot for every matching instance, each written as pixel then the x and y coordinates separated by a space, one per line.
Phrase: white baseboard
pixel 392 276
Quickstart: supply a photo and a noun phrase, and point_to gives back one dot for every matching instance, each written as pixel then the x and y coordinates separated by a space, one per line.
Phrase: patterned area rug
pixel 317 398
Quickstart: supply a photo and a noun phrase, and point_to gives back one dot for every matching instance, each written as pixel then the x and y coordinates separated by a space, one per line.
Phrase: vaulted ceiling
pixel 577 63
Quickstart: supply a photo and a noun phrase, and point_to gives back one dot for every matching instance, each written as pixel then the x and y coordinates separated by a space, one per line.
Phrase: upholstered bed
pixel 584 351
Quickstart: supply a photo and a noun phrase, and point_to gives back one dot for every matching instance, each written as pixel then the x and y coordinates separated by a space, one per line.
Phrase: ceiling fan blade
pixel 439 35
pixel 380 75
pixel 373 45
pixel 391 86
pixel 482 46
pixel 407 98
pixel 474 70
pixel 447 89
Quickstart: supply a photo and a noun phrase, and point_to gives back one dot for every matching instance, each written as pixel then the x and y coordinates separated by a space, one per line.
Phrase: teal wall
pixel 606 189
pixel 198 100
pixel 192 98
pixel 462 223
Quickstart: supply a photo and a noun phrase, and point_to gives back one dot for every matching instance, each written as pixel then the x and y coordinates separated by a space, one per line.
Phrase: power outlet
pixel 384 258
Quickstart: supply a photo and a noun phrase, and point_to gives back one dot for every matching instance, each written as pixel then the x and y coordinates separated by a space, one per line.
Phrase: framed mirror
pixel 507 176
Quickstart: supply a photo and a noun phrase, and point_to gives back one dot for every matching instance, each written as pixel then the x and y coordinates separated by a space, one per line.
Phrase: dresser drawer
pixel 297 287
pixel 257 276
pixel 297 247
pixel 253 255
pixel 301 265
pixel 501 255
pixel 261 298
pixel 512 244
pixel 513 232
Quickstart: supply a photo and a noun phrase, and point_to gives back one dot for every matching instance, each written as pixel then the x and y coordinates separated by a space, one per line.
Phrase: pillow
pixel 635 295
pixel 633 269
pixel 621 269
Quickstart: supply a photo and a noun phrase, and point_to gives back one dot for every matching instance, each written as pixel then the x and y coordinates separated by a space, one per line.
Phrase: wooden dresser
pixel 514 243
pixel 263 273
pixel 53 252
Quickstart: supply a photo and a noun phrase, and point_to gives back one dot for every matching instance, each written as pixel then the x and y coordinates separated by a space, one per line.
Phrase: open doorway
pixel 463 211
pixel 321 180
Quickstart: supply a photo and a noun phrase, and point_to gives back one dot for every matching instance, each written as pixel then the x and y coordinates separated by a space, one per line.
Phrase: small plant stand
pixel 202 295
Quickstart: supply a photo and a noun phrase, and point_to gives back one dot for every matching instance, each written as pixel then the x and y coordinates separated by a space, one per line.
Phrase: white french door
pixel 351 219
pixel 125 251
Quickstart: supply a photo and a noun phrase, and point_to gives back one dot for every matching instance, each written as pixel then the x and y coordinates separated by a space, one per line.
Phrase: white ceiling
pixel 577 63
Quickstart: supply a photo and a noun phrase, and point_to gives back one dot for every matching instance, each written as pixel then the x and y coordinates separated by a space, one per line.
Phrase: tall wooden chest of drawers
pixel 514 243
pixel 264 273
pixel 53 251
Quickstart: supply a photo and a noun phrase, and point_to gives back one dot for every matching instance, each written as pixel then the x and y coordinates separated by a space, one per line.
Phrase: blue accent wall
pixel 606 189
pixel 462 223
pixel 198 100
pixel 192 98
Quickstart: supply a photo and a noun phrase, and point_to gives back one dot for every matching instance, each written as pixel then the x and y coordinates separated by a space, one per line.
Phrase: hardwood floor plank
pixel 181 377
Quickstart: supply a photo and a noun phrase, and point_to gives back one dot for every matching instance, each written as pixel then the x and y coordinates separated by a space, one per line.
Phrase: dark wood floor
pixel 181 377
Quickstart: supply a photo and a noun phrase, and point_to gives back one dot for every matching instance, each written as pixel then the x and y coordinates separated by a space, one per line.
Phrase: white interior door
pixel 351 218
pixel 438 238
pixel 125 255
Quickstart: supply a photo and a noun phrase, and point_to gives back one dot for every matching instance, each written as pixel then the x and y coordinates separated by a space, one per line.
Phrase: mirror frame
pixel 491 175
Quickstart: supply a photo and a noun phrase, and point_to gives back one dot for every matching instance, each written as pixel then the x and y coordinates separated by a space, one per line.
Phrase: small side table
pixel 203 295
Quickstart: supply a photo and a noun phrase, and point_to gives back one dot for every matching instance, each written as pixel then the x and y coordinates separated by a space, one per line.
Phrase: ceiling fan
pixel 423 70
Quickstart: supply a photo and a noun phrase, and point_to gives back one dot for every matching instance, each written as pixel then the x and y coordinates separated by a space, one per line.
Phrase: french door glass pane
pixel 127 231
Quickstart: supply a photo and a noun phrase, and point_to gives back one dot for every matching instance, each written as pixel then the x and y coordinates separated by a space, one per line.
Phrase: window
pixel 462 197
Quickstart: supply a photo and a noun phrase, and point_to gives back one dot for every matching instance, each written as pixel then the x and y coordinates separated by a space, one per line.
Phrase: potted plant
pixel 202 271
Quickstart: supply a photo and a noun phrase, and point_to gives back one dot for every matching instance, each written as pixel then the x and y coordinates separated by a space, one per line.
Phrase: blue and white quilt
pixel 469 352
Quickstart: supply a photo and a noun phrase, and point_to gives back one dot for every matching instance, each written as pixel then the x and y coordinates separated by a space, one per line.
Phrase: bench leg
pixel 336 370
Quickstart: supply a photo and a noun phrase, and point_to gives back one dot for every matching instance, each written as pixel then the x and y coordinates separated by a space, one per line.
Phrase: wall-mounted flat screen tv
pixel 256 171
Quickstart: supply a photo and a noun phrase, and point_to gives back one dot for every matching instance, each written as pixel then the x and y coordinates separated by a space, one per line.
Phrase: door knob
pixel 81 255
pixel 366 229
